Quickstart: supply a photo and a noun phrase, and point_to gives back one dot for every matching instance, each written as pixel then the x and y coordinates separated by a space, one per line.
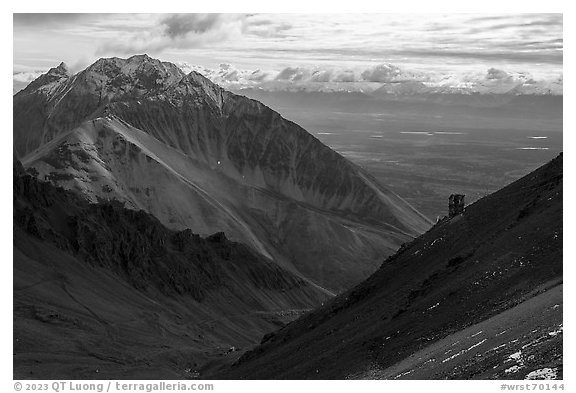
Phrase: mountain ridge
pixel 101 291
pixel 251 162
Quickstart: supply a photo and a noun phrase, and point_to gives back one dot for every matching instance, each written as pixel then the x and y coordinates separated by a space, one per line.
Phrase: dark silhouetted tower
pixel 455 205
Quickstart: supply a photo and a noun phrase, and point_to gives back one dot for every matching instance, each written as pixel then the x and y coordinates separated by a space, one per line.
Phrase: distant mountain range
pixel 196 156
pixel 386 99
pixel 426 110
pixel 375 79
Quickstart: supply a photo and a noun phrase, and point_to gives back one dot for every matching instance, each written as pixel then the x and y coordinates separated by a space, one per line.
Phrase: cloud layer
pixel 385 77
pixel 381 76
pixel 175 31
pixel 310 49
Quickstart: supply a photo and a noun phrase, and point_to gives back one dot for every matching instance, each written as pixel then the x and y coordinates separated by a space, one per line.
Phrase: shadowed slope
pixel 101 291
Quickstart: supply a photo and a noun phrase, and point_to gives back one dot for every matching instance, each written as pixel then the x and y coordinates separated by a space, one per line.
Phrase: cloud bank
pixel 385 77
pixel 306 48
pixel 356 52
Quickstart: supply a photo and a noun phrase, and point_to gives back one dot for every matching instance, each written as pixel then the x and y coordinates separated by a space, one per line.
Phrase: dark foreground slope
pixel 477 296
pixel 101 291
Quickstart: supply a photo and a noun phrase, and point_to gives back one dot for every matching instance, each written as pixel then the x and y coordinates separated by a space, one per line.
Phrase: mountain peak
pixel 62 69
pixel 211 144
pixel 137 64
pixel 114 77
pixel 51 78
pixel 195 85
pixel 200 80
pixel 141 58
pixel 197 77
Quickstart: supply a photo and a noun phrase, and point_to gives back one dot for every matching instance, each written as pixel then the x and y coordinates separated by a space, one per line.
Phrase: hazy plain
pixel 425 155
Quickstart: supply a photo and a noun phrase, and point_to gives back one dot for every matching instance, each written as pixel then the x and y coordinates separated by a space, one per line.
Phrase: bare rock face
pixel 196 156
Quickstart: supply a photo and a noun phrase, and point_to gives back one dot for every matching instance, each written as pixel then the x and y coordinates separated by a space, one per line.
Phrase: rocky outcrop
pixel 137 246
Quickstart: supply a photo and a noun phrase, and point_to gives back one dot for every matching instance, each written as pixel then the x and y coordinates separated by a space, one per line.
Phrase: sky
pixel 494 50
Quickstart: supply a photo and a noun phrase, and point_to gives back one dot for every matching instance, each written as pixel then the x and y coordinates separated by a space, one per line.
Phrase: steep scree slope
pixel 477 296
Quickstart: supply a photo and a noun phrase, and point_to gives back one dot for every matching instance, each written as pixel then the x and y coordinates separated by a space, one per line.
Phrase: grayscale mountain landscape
pixel 179 217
